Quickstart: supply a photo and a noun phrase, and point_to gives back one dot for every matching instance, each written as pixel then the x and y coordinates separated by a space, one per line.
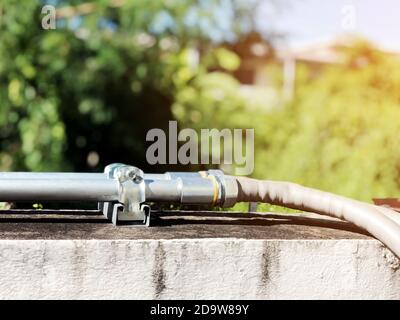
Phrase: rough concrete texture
pixel 187 265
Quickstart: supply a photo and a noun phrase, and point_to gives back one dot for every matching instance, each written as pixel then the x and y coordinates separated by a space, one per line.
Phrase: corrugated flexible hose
pixel 381 223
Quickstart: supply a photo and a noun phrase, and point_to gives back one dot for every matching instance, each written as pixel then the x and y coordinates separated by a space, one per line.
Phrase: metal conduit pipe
pixel 184 191
pixel 58 190
pixel 68 175
pixel 123 193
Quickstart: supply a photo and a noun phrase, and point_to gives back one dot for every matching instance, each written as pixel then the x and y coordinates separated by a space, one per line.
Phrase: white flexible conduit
pixel 382 223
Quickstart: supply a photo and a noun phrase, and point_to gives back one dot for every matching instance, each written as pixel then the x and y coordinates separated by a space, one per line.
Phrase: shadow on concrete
pixel 176 218
pixel 249 219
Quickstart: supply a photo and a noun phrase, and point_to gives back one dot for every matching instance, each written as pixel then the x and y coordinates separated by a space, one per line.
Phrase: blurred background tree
pixel 85 94
pixel 340 132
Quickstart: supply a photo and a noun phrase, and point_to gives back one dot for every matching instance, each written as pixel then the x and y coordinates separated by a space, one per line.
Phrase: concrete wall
pixel 198 269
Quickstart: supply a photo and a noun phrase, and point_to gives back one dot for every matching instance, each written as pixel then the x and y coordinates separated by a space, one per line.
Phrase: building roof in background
pixel 326 51
pixel 304 22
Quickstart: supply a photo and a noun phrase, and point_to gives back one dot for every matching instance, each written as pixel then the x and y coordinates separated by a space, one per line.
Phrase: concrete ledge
pixel 351 266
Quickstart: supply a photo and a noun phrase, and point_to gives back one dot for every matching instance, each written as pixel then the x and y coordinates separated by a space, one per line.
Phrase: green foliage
pixel 340 132
pixel 32 133
pixel 210 101
pixel 98 82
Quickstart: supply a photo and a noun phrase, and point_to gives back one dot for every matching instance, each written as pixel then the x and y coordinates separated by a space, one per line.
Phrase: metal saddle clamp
pixel 130 208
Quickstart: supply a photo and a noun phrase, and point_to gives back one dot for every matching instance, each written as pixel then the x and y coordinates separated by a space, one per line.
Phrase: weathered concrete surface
pixel 279 257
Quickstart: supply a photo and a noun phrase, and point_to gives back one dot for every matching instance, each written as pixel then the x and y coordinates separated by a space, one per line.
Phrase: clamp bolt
pixel 134 174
